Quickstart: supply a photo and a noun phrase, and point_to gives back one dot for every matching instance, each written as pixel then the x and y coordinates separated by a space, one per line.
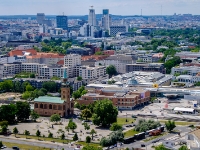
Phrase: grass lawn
pixel 91 144
pixel 154 137
pixel 130 133
pixel 56 140
pixel 181 123
pixel 122 121
pixel 25 147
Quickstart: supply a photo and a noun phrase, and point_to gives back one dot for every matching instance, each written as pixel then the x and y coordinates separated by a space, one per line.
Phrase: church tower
pixel 65 94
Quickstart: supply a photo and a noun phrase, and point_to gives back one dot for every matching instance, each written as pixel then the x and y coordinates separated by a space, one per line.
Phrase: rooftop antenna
pixel 161 10
pixel 63 13
pixel 141 12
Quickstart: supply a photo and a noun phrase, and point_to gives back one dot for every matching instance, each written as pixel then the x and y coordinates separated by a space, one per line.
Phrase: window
pixel 50 106
pixel 36 105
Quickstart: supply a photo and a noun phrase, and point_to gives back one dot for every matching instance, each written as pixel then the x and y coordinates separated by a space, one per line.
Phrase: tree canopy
pixel 86 113
pixel 170 125
pixel 104 113
pixel 55 118
pixel 23 111
pixel 111 70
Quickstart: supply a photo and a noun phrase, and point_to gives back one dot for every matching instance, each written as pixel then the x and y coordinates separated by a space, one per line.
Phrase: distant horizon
pixel 77 7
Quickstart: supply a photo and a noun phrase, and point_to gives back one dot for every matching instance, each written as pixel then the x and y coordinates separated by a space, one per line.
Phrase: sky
pixel 116 7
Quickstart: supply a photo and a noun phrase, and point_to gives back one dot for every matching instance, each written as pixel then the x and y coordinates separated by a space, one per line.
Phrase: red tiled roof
pixel 61 62
pixel 20 52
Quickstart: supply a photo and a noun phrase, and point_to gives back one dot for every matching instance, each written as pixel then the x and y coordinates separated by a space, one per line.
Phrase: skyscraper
pixel 40 18
pixel 106 19
pixel 62 22
pixel 92 17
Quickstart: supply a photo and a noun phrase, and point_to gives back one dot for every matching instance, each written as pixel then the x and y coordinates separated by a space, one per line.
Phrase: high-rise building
pixel 106 19
pixel 92 17
pixel 116 29
pixel 62 22
pixel 87 30
pixel 40 18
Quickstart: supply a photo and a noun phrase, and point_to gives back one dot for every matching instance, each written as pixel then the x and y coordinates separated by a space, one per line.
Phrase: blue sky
pixel 80 7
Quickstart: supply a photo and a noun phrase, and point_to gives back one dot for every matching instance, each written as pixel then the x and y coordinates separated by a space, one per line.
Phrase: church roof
pixel 48 99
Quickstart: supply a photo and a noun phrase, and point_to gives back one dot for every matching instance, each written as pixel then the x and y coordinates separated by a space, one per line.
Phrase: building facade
pixel 62 22
pixel 92 17
pixel 116 29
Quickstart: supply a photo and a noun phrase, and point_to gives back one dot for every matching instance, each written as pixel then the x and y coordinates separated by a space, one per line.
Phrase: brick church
pixel 64 106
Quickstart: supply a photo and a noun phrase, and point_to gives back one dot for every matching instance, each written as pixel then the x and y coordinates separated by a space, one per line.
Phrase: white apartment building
pixel 188 78
pixel 72 60
pixel 53 71
pixel 31 67
pixel 9 69
pixel 191 70
pixel 87 72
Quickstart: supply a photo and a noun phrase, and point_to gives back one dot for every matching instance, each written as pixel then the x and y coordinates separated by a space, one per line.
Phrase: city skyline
pixel 116 7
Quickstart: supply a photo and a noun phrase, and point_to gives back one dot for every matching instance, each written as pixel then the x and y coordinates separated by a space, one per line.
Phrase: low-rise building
pixel 149 67
pixel 186 70
pixel 121 98
pixel 87 72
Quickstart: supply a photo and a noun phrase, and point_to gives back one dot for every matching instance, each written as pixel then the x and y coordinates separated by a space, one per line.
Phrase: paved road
pixel 33 143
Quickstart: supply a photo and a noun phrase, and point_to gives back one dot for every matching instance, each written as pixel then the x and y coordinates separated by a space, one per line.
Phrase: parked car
pixel 15 148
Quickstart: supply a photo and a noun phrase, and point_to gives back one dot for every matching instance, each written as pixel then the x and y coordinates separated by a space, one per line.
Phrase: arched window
pixel 50 106
pixel 54 107
pixel 45 106
pixel 36 105
pixel 59 107
pixel 41 105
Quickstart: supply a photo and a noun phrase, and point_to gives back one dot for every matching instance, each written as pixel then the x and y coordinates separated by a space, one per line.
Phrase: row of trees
pixel 144 125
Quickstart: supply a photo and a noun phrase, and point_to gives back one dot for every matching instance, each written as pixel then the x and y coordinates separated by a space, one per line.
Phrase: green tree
pixel 26 95
pixel 100 109
pixel 55 118
pixel 170 125
pixel 75 137
pixel 15 131
pixel 50 135
pixel 1 144
pixel 38 134
pixel 23 110
pixel 72 125
pixel 4 123
pixel 4 129
pixel 183 147
pixel 115 127
pixel 62 137
pixel 29 88
pixel 27 133
pixel 92 132
pixel 172 63
pixel 43 90
pixel 76 94
pixel 79 78
pixel 113 138
pixel 88 139
pixel 17 86
pixel 161 147
pixel 86 126
pixel 66 45
pixel 86 113
pixel 32 75
pixel 6 86
pixel 34 115
pixel 50 86
pixel 8 113
pixel 111 70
